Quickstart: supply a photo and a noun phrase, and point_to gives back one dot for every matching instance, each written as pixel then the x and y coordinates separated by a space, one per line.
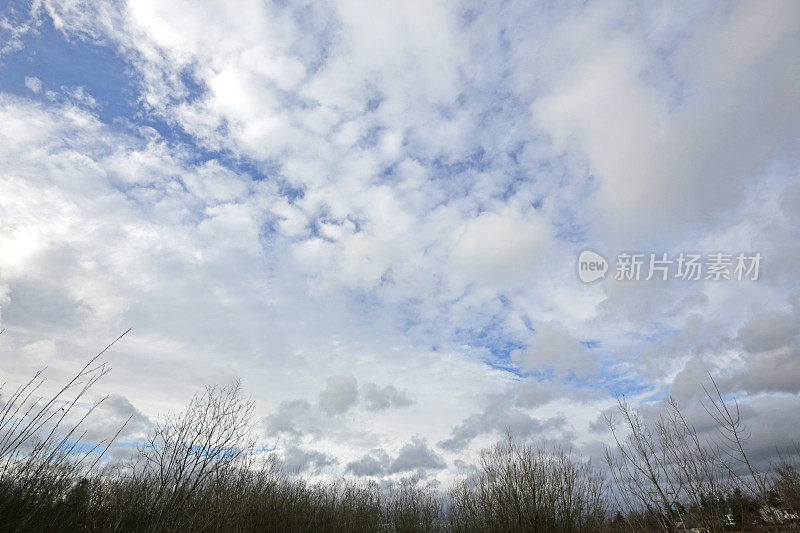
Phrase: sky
pixel 371 212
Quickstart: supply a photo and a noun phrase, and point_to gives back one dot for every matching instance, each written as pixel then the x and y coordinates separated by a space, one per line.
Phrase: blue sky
pixel 370 213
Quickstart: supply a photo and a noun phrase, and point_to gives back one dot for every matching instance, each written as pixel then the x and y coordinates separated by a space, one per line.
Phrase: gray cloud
pixel 378 398
pixel 298 460
pixel 414 456
pixel 688 383
pixel 531 393
pixel 340 393
pixel 374 463
pixel 552 346
pixel 776 371
pixel 498 418
pixel 769 331
pixel 289 418
pixel 111 415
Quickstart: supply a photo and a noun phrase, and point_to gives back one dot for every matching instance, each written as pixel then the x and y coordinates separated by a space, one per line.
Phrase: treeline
pixel 201 470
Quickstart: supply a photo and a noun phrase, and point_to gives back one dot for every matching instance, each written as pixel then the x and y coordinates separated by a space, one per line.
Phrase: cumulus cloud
pixel 769 372
pixel 678 151
pixel 290 417
pixel 375 463
pixel 378 398
pixel 298 460
pixel 498 418
pixel 414 456
pixel 531 393
pixel 505 247
pixel 295 419
pixel 340 393
pixel 39 351
pixel 115 414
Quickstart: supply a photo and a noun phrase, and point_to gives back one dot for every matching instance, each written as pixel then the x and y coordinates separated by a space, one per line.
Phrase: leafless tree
pixel 188 449
pixel 732 441
pixel 660 468
pixel 664 470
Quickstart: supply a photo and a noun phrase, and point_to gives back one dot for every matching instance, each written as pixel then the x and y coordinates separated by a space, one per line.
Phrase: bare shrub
pixel 409 507
pixel 787 480
pixel 520 488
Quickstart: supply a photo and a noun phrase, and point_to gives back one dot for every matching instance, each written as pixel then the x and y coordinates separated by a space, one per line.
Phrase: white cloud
pixel 34 84
pixel 39 352
pixel 504 248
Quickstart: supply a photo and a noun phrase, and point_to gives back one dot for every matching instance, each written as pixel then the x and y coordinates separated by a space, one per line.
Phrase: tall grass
pixel 39 450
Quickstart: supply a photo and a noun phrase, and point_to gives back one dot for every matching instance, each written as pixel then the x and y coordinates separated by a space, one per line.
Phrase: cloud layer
pixel 370 213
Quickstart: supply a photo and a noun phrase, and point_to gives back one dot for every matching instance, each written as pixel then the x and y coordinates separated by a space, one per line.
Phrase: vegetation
pixel 200 470
pixel 519 488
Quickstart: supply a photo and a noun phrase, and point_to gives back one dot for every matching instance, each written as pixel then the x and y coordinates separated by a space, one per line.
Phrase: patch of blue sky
pixel 614 379
pixel 315 21
pixel 242 166
pixel 476 161
pixel 499 343
pixel 60 62
pixel 658 333
pixel 424 329
pixel 610 378
pixel 506 366
pixel 528 322
pixel 517 178
pixel 571 228
pixel 80 447
pixel 620 385
pixel 495 340
pixel 485 337
pixel 657 395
